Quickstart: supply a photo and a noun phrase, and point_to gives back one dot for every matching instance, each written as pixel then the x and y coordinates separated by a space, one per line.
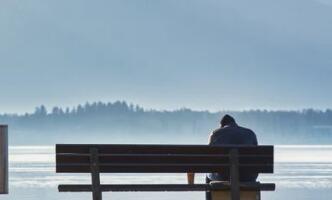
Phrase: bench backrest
pixel 71 158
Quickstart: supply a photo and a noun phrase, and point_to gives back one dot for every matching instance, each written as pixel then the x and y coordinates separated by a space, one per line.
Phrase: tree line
pixel 118 118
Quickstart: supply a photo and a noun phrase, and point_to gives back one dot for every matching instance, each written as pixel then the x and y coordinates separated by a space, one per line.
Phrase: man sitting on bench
pixel 229 134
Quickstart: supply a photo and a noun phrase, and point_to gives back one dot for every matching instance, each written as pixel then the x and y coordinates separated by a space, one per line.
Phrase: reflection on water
pixel 32 168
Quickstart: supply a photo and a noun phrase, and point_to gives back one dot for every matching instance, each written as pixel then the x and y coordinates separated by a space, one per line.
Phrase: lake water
pixel 304 172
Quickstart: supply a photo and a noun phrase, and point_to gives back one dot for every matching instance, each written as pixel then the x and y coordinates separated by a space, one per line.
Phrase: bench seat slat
pixel 167 187
pixel 161 158
pixel 153 149
pixel 160 154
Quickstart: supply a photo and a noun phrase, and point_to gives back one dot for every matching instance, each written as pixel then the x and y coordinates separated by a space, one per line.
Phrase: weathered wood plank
pixel 153 149
pixel 163 158
pixel 135 188
pixel 160 168
pixel 219 186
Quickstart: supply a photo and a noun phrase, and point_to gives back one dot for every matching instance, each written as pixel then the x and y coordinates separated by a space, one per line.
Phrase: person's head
pixel 227 120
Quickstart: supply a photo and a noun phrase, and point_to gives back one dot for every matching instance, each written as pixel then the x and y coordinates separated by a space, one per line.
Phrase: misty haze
pixel 120 122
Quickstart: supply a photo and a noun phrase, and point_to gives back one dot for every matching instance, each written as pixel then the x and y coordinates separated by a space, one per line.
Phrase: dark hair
pixel 227 120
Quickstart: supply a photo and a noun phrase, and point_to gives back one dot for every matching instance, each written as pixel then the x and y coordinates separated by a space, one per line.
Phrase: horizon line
pixel 49 108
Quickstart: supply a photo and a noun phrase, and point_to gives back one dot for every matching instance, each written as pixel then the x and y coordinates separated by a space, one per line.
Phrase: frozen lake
pixel 304 172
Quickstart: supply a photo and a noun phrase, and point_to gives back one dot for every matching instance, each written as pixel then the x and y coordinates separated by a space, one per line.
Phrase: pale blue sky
pixel 166 54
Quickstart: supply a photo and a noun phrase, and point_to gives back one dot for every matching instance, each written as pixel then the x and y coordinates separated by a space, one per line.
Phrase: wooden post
pixel 234 172
pixel 95 174
pixel 3 159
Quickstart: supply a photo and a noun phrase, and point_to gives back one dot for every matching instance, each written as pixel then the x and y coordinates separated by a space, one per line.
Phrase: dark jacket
pixel 233 135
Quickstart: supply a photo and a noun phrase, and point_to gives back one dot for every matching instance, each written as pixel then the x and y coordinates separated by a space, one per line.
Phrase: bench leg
pixel 96 195
pixel 208 192
pixel 95 175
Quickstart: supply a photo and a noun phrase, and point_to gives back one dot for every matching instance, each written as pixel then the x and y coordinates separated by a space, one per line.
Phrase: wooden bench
pixel 96 159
